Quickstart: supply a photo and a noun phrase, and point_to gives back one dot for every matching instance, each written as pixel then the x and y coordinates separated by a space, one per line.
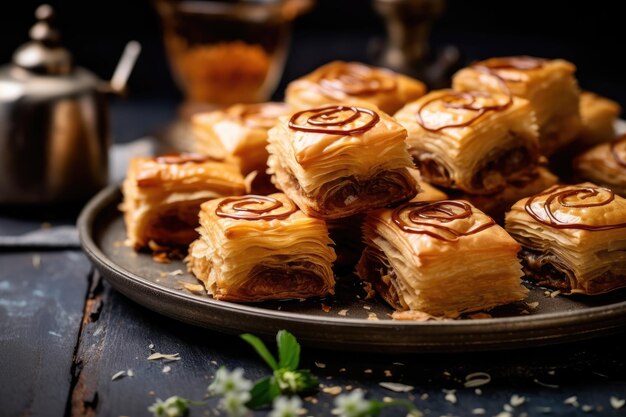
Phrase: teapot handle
pixel 125 66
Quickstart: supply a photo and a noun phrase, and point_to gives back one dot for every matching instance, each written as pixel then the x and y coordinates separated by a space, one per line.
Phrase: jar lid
pixel 44 53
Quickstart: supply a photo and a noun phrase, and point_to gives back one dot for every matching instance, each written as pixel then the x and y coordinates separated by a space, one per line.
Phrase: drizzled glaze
pixel 329 120
pixel 237 208
pixel 423 215
pixel 615 152
pixel 356 80
pixel 462 101
pixel 559 195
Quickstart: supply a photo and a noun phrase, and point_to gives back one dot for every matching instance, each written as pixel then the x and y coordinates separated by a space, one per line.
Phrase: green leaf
pixel 261 349
pixel 288 350
pixel 263 393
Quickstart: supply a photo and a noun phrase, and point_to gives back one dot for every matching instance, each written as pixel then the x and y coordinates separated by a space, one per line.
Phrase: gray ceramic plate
pixel 345 321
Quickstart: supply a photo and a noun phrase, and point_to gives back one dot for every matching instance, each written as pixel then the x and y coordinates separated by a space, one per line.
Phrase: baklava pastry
pixel 573 238
pixel 598 115
pixel 239 131
pixel 605 165
pixel 442 258
pixel 162 196
pixel 257 248
pixel 549 85
pixel 336 161
pixel 495 205
pixel 473 141
pixel 356 84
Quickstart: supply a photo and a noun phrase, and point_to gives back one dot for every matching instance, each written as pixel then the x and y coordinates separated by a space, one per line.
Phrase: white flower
pixel 286 407
pixel 234 403
pixel 352 405
pixel 172 407
pixel 227 381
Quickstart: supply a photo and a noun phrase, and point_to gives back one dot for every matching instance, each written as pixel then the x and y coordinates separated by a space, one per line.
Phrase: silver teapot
pixel 54 123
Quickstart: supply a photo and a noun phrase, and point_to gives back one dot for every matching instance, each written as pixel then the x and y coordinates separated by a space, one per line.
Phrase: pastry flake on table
pixel 442 258
pixel 605 165
pixel 336 161
pixel 353 83
pixel 473 141
pixel 598 115
pixel 573 238
pixel 549 85
pixel 162 196
pixel 257 248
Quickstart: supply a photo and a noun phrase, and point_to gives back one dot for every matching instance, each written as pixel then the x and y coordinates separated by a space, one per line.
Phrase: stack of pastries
pixel 365 171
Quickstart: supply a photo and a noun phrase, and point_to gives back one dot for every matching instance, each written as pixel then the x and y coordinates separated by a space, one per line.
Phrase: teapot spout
pixel 125 66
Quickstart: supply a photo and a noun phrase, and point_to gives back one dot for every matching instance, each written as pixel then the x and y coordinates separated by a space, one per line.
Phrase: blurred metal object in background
pixel 54 123
pixel 227 52
pixel 407 49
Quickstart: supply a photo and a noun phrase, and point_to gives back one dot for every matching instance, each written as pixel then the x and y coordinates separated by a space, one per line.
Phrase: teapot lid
pixel 44 53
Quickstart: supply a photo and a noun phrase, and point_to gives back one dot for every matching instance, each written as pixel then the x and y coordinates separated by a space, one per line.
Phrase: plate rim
pixel 471 328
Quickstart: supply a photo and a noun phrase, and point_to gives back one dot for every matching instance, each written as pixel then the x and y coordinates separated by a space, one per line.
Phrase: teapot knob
pixel 42 31
pixel 44 53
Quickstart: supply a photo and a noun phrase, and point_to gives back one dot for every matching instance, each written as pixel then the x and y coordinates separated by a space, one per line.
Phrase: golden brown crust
pixel 605 165
pixel 572 237
pixel 353 83
pixel 549 85
pixel 474 142
pixel 239 131
pixel 416 257
pixel 598 115
pixel 256 248
pixel 372 171
pixel 162 196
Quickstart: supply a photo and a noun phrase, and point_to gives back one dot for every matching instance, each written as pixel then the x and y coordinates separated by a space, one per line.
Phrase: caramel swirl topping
pixel 473 103
pixel 356 80
pixel 332 119
pixel 421 217
pixel 182 158
pixel 575 196
pixel 618 150
pixel 262 115
pixel 254 207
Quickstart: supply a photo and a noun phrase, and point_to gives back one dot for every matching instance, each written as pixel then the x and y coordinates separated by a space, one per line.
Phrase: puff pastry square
pixel 549 85
pixel 257 248
pixel 355 84
pixel 417 259
pixel 605 165
pixel 239 131
pixel 573 238
pixel 598 115
pixel 473 141
pixel 162 196
pixel 337 161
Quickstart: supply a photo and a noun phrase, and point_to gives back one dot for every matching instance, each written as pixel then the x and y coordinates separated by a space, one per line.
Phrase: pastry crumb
pixel 335 390
pixel 396 387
